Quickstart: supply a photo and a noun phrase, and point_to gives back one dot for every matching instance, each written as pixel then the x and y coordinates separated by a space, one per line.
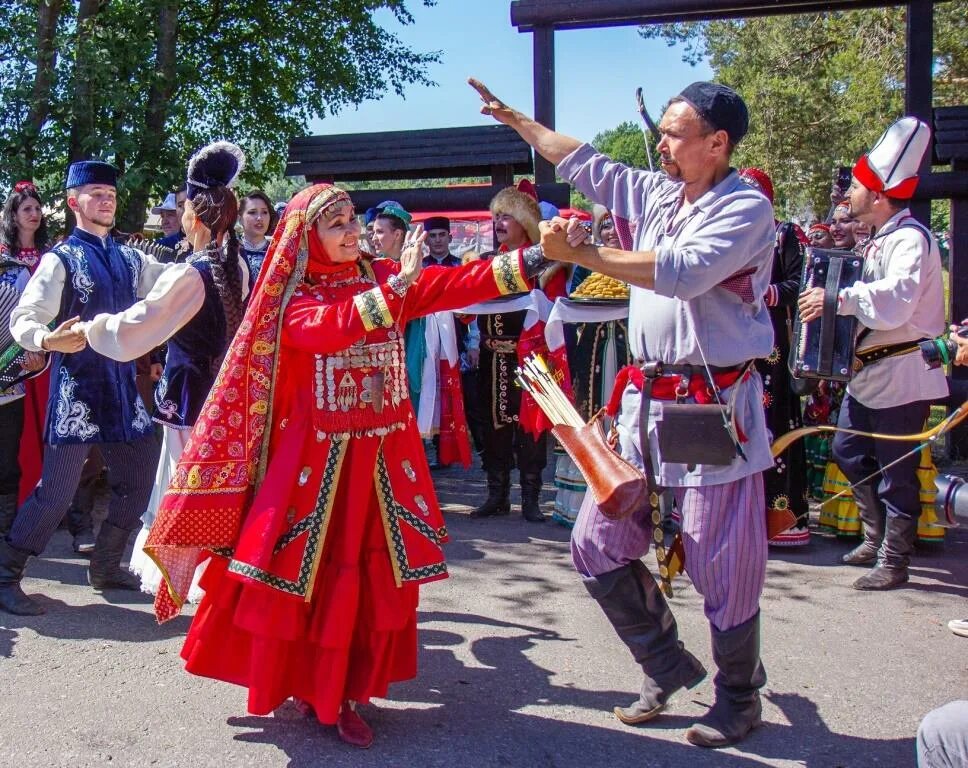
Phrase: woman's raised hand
pixel 411 258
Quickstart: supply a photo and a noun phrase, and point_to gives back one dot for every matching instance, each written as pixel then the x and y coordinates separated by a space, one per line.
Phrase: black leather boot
pixel 531 497
pixel 872 518
pixel 641 617
pixel 498 495
pixel 105 571
pixel 893 557
pixel 8 511
pixel 737 709
pixel 12 597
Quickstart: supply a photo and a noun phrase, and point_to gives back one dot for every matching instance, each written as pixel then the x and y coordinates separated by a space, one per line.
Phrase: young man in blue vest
pixel 93 400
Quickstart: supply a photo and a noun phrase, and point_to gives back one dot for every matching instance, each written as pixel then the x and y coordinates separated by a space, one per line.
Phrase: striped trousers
pixel 131 471
pixel 723 534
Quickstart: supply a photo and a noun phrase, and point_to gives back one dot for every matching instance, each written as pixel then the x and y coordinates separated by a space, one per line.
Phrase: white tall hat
pixel 892 164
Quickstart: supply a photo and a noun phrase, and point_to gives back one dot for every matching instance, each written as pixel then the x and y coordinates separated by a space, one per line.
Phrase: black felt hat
pixel 91 172
pixel 436 222
pixel 720 106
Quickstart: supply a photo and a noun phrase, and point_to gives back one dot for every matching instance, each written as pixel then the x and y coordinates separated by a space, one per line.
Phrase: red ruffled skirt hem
pixel 355 636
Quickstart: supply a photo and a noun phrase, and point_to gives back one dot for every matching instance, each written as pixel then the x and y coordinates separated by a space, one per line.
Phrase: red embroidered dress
pixel 305 476
pixel 31 454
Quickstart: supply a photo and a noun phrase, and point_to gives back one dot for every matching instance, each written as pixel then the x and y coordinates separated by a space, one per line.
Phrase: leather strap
pixel 828 318
pixel 873 354
pixel 688 369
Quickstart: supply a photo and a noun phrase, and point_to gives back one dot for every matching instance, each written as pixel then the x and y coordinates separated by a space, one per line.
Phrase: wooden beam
pixel 946 185
pixel 527 15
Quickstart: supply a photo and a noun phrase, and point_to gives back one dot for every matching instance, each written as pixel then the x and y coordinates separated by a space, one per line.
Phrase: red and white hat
pixel 892 164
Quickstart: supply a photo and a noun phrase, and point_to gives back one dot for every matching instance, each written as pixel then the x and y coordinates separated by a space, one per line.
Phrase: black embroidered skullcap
pixel 719 106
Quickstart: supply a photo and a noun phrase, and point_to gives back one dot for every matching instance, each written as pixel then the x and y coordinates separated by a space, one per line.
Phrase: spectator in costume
pixel 438 243
pixel 458 334
pixel 842 227
pixel 512 435
pixel 258 220
pixel 596 352
pixel 390 227
pixel 784 484
pixel 819 235
pixel 22 228
pixel 317 506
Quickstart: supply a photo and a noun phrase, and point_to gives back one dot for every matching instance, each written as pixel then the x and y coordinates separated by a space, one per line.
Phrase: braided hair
pixel 217 209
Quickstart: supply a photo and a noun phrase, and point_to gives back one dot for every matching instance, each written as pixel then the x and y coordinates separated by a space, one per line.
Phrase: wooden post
pixel 544 94
pixel 917 78
pixel 958 286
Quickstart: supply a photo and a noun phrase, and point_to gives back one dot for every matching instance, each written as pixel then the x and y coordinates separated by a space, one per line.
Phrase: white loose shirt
pixel 901 299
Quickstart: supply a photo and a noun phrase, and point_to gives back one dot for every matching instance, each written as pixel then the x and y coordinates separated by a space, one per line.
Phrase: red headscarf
pixel 760 179
pixel 225 457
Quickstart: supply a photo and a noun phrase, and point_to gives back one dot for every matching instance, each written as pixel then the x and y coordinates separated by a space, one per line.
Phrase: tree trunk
pixel 156 111
pixel 48 13
pixel 83 108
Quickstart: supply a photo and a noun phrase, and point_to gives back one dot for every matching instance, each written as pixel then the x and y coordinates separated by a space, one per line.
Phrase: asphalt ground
pixel 518 667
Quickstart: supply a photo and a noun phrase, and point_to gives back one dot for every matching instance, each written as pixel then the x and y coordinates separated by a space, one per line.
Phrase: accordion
pixel 824 347
pixel 12 371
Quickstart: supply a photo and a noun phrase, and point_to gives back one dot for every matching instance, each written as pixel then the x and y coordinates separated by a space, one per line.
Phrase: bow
pixel 928 436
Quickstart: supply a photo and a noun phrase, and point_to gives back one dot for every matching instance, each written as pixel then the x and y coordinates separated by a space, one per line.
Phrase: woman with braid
pixel 197 307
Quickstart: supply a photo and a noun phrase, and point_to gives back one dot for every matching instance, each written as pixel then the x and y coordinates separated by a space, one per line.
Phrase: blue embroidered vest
pixel 194 354
pixel 93 399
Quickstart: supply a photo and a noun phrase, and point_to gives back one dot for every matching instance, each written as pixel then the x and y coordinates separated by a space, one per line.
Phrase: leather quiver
pixel 617 487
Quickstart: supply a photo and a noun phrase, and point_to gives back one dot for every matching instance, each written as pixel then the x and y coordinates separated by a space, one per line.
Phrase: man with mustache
pixel 94 400
pixel 699 270
pixel 507 441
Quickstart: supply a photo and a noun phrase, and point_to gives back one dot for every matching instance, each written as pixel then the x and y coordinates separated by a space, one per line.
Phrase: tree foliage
pixel 146 82
pixel 821 88
pixel 624 143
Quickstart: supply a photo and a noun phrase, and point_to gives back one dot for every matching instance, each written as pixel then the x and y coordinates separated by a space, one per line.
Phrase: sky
pixel 597 72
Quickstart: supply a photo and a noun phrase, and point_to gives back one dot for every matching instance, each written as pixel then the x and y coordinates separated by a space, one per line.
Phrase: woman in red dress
pixel 305 475
pixel 23 240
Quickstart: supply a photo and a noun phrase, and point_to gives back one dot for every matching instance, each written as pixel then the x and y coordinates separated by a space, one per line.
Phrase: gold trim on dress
pixel 508 274
pixel 373 309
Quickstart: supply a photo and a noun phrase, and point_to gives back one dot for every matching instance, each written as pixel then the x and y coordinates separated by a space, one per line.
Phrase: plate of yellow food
pixel 601 289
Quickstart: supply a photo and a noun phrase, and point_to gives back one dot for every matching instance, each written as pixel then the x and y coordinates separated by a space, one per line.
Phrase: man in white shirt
pixel 900 302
